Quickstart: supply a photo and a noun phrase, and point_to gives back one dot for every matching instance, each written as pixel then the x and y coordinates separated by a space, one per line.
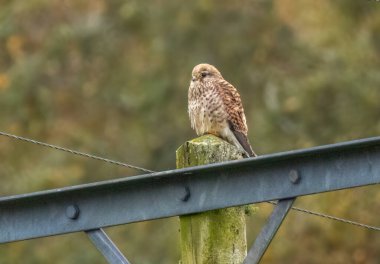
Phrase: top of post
pixel 205 150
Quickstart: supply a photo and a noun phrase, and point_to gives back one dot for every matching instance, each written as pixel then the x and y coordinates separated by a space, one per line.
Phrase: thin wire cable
pixel 150 171
pixel 75 152
pixel 346 221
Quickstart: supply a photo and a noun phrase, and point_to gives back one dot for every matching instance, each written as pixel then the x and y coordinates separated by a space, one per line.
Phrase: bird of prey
pixel 215 107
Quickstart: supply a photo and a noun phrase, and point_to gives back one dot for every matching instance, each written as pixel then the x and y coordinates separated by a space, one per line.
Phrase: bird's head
pixel 203 71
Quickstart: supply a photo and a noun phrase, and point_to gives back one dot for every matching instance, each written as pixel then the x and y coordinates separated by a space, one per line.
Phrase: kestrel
pixel 215 107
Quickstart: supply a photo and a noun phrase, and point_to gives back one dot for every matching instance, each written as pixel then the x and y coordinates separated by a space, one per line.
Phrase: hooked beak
pixel 193 79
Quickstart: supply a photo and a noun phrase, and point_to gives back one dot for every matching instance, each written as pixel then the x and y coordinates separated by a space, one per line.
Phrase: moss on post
pixel 214 237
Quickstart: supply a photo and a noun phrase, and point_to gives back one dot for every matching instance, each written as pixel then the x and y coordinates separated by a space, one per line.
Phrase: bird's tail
pixel 244 142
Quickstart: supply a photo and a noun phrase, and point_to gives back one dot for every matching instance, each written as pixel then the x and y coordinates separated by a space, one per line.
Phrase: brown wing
pixel 236 116
pixel 233 106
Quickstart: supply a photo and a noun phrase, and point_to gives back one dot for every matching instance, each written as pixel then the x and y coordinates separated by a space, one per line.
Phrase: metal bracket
pixel 164 194
pixel 105 245
pixel 269 231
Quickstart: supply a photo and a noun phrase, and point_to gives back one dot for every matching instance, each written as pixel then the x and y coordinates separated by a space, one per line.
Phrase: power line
pixel 75 152
pixel 150 171
pixel 346 221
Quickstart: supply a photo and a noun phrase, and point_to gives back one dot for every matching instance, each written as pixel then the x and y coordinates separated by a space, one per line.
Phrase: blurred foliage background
pixel 111 78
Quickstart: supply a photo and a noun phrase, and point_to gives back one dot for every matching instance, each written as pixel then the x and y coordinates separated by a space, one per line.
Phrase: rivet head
pixel 294 176
pixel 72 211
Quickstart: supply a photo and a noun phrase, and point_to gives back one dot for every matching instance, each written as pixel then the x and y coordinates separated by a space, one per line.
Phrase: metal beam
pixel 269 231
pixel 185 191
pixel 105 245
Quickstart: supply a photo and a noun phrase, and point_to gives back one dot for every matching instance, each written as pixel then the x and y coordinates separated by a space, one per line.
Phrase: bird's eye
pixel 204 74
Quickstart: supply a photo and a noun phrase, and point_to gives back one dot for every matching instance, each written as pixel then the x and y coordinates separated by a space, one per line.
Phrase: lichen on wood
pixel 214 237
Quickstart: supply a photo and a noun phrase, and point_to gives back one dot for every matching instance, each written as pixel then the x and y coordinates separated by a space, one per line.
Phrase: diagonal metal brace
pixel 269 231
pixel 105 245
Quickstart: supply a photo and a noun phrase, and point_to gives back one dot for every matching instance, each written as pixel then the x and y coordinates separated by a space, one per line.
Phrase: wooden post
pixel 214 237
